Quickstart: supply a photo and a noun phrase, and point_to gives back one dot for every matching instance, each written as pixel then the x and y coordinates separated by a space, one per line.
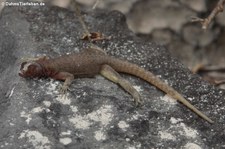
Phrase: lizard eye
pixel 22 67
pixel 30 69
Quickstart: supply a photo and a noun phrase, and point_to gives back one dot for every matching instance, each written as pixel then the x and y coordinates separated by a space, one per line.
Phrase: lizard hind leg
pixel 109 73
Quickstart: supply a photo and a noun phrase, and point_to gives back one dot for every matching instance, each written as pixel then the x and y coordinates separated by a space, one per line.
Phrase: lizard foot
pixel 137 99
pixel 63 90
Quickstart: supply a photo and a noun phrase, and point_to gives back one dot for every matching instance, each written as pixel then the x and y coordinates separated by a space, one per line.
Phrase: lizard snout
pixel 21 73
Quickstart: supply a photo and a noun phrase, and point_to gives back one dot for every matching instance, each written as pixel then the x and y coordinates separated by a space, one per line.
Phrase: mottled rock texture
pixel 97 113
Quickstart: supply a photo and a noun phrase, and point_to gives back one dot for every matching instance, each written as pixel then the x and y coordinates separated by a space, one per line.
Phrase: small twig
pixel 81 20
pixel 95 36
pixel 206 21
pixel 86 31
pixel 96 3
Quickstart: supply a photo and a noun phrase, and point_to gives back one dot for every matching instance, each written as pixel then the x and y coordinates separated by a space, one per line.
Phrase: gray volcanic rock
pixel 145 15
pixel 97 113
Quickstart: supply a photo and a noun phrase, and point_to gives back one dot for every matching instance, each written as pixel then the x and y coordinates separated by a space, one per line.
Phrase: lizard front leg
pixel 109 73
pixel 67 78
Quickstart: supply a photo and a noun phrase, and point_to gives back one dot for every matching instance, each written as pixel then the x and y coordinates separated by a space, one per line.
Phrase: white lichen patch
pixel 68 132
pixel 187 131
pixel 37 110
pixel 47 103
pixel 74 109
pixel 136 116
pixel 99 135
pixel 192 146
pixel 64 99
pixel 181 130
pixel 64 137
pixel 52 87
pixel 103 115
pixel 65 140
pixel 175 120
pixel 123 125
pixel 11 124
pixel 30 114
pixel 166 136
pixel 80 122
pixel 169 99
pixel 138 88
pixel 36 139
pixel 191 99
pixel 27 116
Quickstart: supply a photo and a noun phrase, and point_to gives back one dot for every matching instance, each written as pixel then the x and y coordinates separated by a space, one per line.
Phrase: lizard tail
pixel 135 70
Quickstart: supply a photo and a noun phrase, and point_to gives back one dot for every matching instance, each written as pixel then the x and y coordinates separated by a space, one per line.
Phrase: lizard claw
pixel 63 89
pixel 137 99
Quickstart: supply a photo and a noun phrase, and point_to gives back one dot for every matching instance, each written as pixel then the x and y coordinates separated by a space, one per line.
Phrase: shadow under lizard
pixel 91 62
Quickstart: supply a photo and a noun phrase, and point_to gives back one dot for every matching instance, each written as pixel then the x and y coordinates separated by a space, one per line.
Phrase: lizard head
pixel 31 70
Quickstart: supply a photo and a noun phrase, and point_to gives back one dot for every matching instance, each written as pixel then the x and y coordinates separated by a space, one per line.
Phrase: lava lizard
pixel 91 62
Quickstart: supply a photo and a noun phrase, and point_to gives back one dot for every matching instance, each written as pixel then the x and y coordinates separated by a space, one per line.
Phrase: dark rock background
pixel 97 113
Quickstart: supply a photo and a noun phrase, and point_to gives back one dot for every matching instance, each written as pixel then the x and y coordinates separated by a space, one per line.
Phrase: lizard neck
pixel 46 70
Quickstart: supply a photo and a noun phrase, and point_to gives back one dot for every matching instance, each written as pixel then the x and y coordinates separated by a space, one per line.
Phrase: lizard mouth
pixel 21 73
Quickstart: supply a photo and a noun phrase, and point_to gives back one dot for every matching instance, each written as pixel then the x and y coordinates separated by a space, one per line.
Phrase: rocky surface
pixel 97 113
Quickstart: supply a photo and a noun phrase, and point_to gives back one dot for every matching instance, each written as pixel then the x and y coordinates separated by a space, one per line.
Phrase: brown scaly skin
pixel 90 63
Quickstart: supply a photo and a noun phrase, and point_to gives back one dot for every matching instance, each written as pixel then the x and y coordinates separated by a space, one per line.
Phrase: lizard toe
pixel 137 99
pixel 63 90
